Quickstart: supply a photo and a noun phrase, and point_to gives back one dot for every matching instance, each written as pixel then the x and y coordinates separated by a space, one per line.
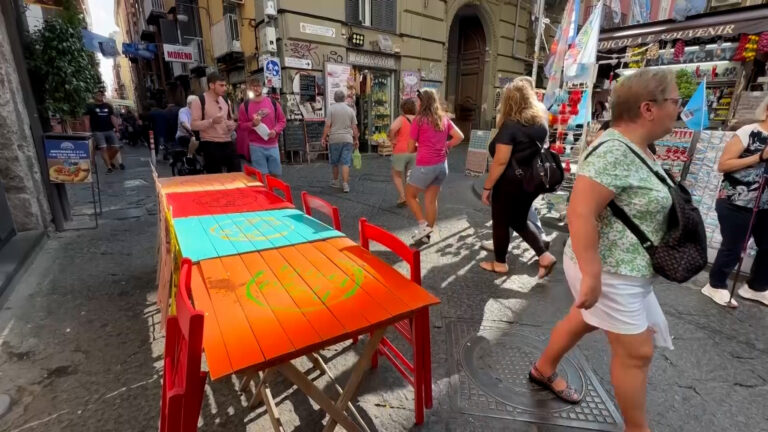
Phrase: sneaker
pixel 122 167
pixel 335 184
pixel 345 187
pixel 750 294
pixel 719 296
pixel 109 170
pixel 114 167
pixel 421 232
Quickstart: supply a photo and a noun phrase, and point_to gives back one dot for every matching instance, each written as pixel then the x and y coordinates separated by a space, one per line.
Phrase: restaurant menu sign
pixel 339 77
pixel 69 161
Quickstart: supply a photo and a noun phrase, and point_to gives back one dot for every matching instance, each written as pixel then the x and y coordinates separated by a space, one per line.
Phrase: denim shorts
pixel 105 139
pixel 341 153
pixel 425 176
pixel 266 159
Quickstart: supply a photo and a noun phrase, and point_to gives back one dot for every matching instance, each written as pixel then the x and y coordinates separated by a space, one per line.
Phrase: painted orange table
pixel 206 182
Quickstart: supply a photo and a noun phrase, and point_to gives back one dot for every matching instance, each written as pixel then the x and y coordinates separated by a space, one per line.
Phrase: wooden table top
pixel 206 182
pixel 267 307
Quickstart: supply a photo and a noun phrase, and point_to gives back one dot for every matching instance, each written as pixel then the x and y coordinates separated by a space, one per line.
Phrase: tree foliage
pixel 65 68
pixel 686 83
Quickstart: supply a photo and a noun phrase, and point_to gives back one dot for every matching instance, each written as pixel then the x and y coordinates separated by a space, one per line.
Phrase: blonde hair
pixel 642 86
pixel 760 112
pixel 430 109
pixel 519 104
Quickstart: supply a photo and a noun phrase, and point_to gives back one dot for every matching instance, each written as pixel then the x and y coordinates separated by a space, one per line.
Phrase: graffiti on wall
pixel 317 54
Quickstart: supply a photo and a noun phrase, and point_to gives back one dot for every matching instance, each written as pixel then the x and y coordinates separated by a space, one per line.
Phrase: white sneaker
pixel 750 294
pixel 719 296
pixel 345 187
pixel 335 184
pixel 421 232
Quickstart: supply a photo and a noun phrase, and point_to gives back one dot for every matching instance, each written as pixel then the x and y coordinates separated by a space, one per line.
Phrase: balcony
pixel 154 10
pixel 226 37
pixel 608 17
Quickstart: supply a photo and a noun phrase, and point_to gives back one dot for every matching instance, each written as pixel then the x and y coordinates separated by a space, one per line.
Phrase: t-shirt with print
pixel 100 116
pixel 741 187
pixel 432 143
pixel 342 119
pixel 638 191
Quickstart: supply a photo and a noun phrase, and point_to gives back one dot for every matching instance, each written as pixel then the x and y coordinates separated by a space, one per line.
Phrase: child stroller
pixel 184 162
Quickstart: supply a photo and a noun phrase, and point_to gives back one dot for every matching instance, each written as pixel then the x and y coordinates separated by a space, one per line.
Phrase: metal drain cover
pixel 490 370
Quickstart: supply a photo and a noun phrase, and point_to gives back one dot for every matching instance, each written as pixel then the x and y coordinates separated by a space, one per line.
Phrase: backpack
pixel 682 252
pixel 545 173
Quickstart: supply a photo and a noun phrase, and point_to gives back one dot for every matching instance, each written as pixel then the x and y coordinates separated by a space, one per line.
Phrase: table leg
pixel 357 375
pixel 264 377
pixel 321 366
pixel 426 340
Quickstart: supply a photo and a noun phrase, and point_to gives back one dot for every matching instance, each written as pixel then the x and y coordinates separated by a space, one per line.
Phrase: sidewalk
pixel 81 350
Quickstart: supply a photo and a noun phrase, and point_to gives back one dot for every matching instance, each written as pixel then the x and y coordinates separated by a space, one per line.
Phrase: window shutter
pixel 168 32
pixel 353 11
pixel 383 15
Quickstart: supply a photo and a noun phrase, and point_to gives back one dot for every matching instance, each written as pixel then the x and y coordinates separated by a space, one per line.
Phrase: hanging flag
pixel 584 111
pixel 574 23
pixel 548 68
pixel 695 115
pixel 640 11
pixel 583 52
pixel 558 56
pixel 615 10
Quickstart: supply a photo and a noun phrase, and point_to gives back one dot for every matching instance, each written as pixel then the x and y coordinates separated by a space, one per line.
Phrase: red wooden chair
pixel 312 202
pixel 414 329
pixel 253 172
pixel 183 381
pixel 275 184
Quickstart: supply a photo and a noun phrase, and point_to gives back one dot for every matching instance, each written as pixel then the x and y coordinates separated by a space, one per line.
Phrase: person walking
pixel 742 163
pixel 171 124
pixel 159 124
pixel 430 129
pixel 254 112
pixel 184 131
pixel 402 159
pixel 211 116
pixel 103 124
pixel 608 271
pixel 341 136
pixel 521 133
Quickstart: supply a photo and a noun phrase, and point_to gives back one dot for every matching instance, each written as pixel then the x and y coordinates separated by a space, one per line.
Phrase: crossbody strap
pixel 513 162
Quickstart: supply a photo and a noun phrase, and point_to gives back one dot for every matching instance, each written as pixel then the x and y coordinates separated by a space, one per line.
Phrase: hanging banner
pixel 558 54
pixel 339 77
pixel 409 84
pixel 93 42
pixel 583 52
pixel 140 50
pixel 695 115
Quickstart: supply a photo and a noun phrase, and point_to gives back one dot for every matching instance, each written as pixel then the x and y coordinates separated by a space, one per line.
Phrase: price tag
pixel 686 115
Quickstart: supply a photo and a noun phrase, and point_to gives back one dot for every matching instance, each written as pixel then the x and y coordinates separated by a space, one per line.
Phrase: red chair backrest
pixel 275 184
pixel 183 381
pixel 253 172
pixel 370 232
pixel 312 202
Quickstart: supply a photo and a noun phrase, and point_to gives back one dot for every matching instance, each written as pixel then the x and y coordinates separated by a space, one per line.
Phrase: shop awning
pixel 729 23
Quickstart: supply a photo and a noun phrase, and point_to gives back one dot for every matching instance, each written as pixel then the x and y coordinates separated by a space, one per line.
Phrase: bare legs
pixel 430 203
pixel 630 360
pixel 397 179
pixel 412 199
pixel 344 173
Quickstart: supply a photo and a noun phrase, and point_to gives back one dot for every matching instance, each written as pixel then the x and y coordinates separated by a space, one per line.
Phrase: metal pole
pixel 539 36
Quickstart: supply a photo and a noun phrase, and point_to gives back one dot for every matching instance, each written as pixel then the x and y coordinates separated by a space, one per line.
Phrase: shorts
pixel 266 159
pixel 423 177
pixel 105 139
pixel 627 305
pixel 402 161
pixel 341 153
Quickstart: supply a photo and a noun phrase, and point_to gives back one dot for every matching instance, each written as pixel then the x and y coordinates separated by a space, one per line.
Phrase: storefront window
pixel 375 110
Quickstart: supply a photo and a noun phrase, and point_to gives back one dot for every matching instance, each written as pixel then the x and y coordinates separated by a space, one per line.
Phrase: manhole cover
pixel 490 370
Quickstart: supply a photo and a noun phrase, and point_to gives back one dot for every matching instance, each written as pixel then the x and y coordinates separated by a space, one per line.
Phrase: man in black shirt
pixel 103 123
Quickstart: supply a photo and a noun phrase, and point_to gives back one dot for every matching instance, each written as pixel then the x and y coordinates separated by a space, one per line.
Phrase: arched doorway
pixel 466 68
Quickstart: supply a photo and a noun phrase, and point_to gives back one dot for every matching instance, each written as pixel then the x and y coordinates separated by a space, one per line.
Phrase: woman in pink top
pixel 400 134
pixel 261 109
pixel 430 131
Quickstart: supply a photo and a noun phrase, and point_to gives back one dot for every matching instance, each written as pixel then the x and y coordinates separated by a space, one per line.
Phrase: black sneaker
pixel 109 171
pixel 114 167
pixel 122 167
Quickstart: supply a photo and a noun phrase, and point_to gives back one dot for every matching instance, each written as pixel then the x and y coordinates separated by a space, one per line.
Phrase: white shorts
pixel 627 305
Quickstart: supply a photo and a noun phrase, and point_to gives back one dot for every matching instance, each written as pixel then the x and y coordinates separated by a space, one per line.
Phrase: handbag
pixel 682 252
pixel 545 173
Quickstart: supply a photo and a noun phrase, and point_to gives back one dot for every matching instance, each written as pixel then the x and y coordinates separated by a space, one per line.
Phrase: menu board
pixel 293 134
pixel 748 103
pixel 69 159
pixel 314 130
pixel 339 77
pixel 307 88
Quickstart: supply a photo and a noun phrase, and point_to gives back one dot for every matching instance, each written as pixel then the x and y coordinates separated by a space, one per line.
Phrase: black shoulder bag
pixel 682 252
pixel 545 173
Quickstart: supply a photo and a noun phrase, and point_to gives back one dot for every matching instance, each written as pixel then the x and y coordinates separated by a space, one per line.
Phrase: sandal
pixel 568 394
pixel 545 271
pixel 491 267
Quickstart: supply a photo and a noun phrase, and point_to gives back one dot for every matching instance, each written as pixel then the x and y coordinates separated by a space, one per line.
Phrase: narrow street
pixel 81 348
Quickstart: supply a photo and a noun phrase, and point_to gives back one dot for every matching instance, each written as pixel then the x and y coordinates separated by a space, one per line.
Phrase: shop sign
pixel 720 30
pixel 298 63
pixel 178 53
pixel 317 30
pixel 69 161
pixel 369 59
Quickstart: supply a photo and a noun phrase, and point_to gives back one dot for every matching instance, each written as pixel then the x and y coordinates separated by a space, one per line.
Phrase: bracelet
pixel 487 189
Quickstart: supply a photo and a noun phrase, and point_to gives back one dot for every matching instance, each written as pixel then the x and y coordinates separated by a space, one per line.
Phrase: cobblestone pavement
pixel 81 350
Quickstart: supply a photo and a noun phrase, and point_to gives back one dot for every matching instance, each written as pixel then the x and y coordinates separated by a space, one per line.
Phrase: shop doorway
pixel 374 108
pixel 466 69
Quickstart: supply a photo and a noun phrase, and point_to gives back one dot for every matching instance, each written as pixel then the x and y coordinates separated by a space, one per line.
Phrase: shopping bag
pixel 357 159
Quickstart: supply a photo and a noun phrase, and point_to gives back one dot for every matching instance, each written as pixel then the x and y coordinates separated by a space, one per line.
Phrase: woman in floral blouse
pixel 608 271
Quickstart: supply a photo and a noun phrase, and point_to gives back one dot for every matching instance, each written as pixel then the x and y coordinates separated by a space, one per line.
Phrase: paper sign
pixel 69 161
pixel 262 130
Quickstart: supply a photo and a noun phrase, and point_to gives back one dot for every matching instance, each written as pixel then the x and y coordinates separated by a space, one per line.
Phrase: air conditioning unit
pixel 719 3
pixel 270 8
pixel 268 39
